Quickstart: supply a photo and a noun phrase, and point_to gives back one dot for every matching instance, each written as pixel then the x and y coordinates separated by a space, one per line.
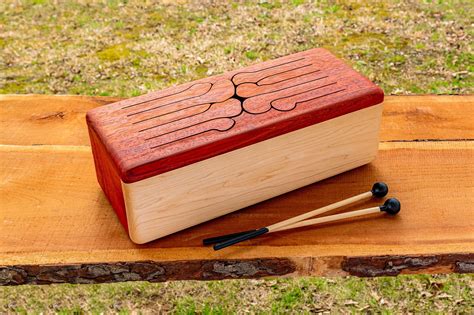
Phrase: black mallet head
pixel 391 206
pixel 380 189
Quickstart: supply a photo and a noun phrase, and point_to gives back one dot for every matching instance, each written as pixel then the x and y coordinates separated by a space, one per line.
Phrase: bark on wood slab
pixel 145 271
pixel 232 269
pixel 57 226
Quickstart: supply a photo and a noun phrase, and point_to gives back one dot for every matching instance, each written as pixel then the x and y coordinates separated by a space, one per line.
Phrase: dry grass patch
pixel 126 49
pixel 399 295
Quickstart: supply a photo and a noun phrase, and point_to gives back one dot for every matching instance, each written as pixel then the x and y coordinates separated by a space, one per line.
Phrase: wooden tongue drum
pixel 175 158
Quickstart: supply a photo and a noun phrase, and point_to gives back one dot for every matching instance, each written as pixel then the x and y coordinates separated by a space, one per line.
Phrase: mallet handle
pixel 223 238
pixel 278 226
pixel 240 238
pixel 331 218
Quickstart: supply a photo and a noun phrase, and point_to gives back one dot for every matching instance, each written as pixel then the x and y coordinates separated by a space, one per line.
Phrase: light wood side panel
pixel 169 202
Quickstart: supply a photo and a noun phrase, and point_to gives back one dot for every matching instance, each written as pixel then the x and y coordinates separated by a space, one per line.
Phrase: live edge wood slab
pixel 56 225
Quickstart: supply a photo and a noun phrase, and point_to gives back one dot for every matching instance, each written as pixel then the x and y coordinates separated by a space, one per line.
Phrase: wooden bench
pixel 56 225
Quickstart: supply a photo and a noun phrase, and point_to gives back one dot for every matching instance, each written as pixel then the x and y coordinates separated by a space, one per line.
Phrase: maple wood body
pixel 139 139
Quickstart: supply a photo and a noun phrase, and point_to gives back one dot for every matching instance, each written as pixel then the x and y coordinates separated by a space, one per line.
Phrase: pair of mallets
pixel 379 190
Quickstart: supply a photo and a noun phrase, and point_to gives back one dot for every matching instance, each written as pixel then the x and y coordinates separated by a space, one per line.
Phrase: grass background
pixel 420 294
pixel 129 48
pixel 126 49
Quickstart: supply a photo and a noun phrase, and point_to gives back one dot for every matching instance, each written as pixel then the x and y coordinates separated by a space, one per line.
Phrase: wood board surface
pixel 57 226
pixel 26 119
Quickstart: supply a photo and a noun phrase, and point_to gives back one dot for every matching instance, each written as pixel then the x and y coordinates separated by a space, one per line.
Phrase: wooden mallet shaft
pixel 391 206
pixel 280 225
pixel 378 190
pixel 329 218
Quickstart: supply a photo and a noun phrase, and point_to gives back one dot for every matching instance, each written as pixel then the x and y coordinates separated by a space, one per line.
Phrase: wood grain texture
pixel 162 131
pixel 175 200
pixel 46 119
pixel 439 117
pixel 59 216
pixel 57 226
pixel 428 117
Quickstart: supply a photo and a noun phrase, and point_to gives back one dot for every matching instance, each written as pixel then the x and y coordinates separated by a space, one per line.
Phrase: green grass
pixel 125 49
pixel 115 48
pixel 403 294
